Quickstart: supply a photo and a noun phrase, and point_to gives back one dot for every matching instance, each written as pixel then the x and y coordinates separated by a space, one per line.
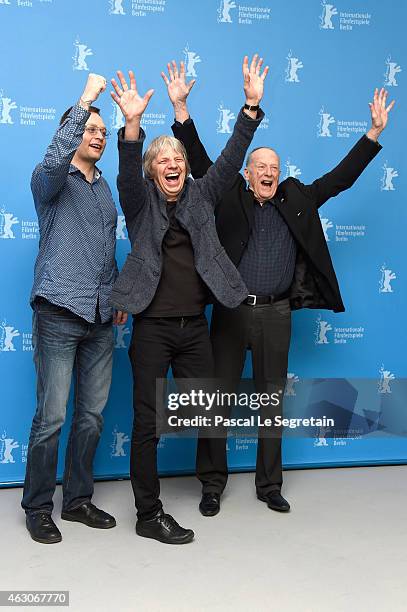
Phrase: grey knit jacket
pixel 144 207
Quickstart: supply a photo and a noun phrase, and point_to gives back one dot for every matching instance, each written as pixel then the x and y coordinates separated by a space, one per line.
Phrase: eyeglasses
pixel 93 131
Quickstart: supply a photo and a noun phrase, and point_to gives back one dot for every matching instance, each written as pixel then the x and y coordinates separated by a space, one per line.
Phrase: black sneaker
pixel 164 528
pixel 42 528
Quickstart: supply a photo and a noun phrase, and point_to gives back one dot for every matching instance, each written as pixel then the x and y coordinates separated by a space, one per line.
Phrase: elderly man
pixel 272 233
pixel 175 264
pixel 72 324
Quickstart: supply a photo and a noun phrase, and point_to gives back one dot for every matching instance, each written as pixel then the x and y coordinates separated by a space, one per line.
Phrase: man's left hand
pixel 253 79
pixel 379 111
pixel 120 317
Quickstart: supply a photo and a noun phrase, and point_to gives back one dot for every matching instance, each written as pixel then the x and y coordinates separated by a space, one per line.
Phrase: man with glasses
pixel 72 322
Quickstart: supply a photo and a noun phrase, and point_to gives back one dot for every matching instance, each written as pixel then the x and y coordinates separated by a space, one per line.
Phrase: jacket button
pixel 242 243
pixel 282 200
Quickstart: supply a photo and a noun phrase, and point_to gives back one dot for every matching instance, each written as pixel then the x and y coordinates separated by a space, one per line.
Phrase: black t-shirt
pixel 181 291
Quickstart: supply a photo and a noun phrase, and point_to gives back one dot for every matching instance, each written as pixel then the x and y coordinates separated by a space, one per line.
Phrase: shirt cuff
pixel 374 142
pixel 121 139
pixel 259 118
pixel 79 114
pixel 186 122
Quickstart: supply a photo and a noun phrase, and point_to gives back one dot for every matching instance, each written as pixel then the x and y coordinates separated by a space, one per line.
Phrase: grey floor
pixel 343 547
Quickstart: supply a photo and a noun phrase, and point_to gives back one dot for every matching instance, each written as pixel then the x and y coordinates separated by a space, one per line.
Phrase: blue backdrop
pixel 325 61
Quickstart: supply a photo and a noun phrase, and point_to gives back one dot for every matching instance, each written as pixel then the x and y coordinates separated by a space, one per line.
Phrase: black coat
pixel 315 284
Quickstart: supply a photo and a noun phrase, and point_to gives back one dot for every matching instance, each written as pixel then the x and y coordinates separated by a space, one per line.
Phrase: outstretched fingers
pixel 170 71
pixel 245 68
pixel 255 67
pixel 380 101
pixel 175 69
pixel 148 96
pixel 115 98
pixel 254 62
pixel 132 79
pixel 122 80
pixel 382 97
pixel 190 85
pixel 165 78
pixel 116 87
pixel 259 65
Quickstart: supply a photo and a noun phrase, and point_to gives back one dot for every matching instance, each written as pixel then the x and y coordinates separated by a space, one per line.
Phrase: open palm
pixel 177 87
pixel 127 98
pixel 253 79
pixel 379 109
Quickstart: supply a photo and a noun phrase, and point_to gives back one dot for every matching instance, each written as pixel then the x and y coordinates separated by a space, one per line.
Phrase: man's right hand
pixel 93 88
pixel 178 89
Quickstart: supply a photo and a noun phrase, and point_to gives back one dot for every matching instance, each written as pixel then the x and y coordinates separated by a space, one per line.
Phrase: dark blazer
pixel 315 284
pixel 145 210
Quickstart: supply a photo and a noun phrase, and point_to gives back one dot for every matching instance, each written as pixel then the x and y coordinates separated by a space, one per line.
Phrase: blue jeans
pixel 64 343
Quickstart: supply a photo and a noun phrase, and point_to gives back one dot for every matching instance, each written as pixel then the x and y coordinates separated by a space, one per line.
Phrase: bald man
pixel 272 233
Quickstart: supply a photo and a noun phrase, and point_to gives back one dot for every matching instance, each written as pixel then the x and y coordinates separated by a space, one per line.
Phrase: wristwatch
pixel 251 107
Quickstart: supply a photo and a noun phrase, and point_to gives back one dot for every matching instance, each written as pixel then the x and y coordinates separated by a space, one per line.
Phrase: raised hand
pixel 178 89
pixel 253 80
pixel 128 99
pixel 93 88
pixel 379 111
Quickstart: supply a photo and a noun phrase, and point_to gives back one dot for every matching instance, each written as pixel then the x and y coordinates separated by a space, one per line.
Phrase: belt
pixel 179 320
pixel 254 300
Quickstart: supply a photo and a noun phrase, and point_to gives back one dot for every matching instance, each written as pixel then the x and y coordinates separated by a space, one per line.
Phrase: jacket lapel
pixel 247 202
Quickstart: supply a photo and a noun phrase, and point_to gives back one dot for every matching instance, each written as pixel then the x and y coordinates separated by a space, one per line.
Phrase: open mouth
pixel 172 178
pixel 267 183
pixel 96 146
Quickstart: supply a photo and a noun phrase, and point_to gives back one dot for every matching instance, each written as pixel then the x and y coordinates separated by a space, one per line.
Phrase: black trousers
pixel 157 344
pixel 266 331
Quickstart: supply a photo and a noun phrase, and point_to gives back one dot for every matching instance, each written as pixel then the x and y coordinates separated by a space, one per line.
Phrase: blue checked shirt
pixel 268 262
pixel 76 264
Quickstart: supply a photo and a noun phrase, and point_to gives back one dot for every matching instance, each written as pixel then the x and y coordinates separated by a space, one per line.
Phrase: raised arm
pixel 223 172
pixel 130 182
pixel 183 128
pixel 219 176
pixel 351 167
pixel 50 175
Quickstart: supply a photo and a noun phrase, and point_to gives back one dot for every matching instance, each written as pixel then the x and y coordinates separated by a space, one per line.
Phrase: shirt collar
pixel 97 175
pixel 272 201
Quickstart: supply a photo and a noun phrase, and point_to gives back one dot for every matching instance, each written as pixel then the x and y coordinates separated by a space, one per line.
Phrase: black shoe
pixel 210 504
pixel 89 515
pixel 275 501
pixel 164 528
pixel 42 528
